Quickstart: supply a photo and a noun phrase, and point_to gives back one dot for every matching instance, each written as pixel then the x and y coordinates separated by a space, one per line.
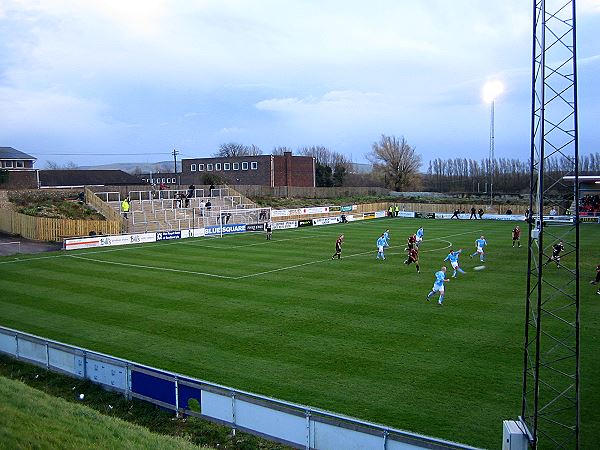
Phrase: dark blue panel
pixel 153 387
pixel 187 392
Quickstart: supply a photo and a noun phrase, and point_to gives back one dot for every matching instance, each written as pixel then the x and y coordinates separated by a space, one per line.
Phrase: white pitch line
pixel 369 252
pixel 165 269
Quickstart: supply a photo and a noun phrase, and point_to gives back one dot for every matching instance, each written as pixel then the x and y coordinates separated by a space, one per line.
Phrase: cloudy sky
pixel 104 81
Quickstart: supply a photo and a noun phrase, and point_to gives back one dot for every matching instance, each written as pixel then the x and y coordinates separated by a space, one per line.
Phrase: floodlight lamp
pixel 491 90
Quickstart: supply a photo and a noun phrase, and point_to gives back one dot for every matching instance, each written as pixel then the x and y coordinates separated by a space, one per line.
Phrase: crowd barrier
pixel 289 423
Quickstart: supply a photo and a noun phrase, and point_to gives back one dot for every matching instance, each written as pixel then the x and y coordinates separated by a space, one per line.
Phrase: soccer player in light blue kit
pixel 419 234
pixel 480 244
pixel 438 285
pixel 386 236
pixel 453 258
pixel 380 245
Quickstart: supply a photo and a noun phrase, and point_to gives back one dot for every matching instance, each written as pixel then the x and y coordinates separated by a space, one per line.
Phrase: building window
pixel 254 165
pixel 8 163
pixel 19 164
pixel 218 166
pixel 209 167
pixel 193 167
pixel 236 166
pixel 200 167
pixel 226 166
pixel 244 166
pixel 163 180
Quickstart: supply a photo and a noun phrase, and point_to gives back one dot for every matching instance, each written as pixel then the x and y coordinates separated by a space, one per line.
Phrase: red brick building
pixel 263 170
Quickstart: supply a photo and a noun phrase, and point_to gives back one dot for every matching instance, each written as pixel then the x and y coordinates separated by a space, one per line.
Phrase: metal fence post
pixel 176 397
pixel 47 356
pixel 385 439
pixel 307 415
pixel 233 413
pixel 16 346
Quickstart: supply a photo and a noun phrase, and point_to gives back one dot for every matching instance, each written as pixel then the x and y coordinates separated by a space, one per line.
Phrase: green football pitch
pixel 281 318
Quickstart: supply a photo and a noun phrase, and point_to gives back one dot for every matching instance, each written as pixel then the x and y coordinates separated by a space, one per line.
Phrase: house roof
pixel 78 177
pixel 13 153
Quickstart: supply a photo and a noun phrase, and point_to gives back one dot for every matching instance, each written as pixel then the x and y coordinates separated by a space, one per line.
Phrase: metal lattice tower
pixel 550 405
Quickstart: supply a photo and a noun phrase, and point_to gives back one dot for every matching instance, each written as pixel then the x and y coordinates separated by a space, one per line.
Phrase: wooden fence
pixel 417 207
pixel 308 192
pixel 102 207
pixel 50 229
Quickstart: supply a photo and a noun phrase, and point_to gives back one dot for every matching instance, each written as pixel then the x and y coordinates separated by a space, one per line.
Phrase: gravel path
pixel 9 245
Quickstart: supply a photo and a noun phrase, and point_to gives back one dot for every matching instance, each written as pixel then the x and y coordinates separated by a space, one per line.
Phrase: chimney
pixel 288 168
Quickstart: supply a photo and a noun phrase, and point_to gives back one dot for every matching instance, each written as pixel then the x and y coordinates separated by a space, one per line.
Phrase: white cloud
pixel 232 130
pixel 588 6
pixel 336 101
pixel 50 112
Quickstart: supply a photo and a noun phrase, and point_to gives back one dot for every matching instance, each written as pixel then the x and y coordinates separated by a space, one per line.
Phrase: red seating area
pixel 589 204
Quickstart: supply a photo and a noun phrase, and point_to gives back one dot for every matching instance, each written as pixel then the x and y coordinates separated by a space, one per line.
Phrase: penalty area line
pixel 164 269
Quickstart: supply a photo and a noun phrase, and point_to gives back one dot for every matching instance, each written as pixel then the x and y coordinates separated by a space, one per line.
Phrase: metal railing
pixel 289 423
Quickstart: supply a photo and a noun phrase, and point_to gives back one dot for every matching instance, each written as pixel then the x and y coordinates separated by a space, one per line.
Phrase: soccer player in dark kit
pixel 556 249
pixel 516 236
pixel 410 243
pixel 413 257
pixel 338 247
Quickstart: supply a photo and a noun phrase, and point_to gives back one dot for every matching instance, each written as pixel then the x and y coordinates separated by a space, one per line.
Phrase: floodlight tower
pixel 550 399
pixel 491 91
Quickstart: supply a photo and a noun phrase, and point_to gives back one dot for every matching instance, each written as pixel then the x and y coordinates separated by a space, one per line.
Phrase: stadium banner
pixel 77 243
pixel 367 216
pixel 280 213
pixel 196 232
pixel 255 227
pixel 335 208
pixel 125 239
pixel 305 223
pixel 285 225
pixel 347 208
pixel 466 216
pixel 227 229
pixel 167 235
pixel 354 217
pixel 380 214
pixel 315 210
pixel 326 221
pixel 410 214
pixel 589 219
pixel 429 215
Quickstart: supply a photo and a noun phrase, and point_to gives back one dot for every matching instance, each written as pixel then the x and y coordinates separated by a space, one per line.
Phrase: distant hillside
pixel 161 166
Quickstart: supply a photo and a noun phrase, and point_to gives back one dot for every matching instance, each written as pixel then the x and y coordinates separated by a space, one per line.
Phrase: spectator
pixel 179 199
pixel 208 205
pixel 202 207
pixel 473 213
pixel 456 213
pixel 553 212
pixel 509 212
pixel 191 190
pixel 480 212
pixel 125 205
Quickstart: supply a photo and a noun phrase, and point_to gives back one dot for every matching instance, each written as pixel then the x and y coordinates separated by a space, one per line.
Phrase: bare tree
pixel 234 149
pixel 396 162
pixel 280 150
pixel 53 165
pixel 331 168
